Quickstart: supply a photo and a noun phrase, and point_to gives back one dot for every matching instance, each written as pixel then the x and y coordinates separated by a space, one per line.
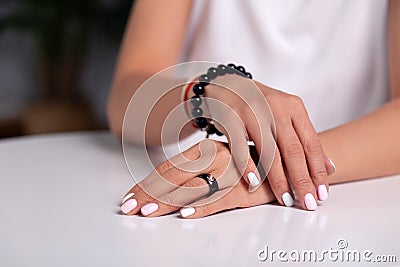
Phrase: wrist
pixel 198 96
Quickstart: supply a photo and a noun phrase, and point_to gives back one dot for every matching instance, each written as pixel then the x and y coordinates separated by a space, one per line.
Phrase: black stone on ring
pixel 211 181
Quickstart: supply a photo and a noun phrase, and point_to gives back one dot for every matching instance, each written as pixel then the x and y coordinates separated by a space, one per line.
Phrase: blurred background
pixel 56 63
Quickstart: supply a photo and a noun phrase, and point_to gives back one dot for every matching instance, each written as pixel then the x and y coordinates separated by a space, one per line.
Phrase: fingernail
pixel 310 202
pixel 128 206
pixel 253 180
pixel 322 192
pixel 149 209
pixel 332 164
pixel 186 212
pixel 287 199
pixel 128 196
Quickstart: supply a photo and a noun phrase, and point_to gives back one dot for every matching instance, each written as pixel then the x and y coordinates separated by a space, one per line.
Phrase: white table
pixel 59 206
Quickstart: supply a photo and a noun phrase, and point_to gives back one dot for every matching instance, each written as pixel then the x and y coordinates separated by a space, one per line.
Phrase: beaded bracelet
pixel 199 89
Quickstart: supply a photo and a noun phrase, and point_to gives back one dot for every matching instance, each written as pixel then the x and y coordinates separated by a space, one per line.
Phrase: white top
pixel 331 53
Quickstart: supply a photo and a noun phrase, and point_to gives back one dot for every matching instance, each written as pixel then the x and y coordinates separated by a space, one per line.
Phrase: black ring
pixel 211 181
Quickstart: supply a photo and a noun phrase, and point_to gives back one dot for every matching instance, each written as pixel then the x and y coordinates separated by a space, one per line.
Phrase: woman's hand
pixel 173 185
pixel 283 121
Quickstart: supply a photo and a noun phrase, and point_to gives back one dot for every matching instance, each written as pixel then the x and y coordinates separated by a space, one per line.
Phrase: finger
pixel 239 147
pixel 213 204
pixel 190 191
pixel 313 151
pixel 161 186
pixel 169 172
pixel 229 198
pixel 259 128
pixel 293 155
pixel 190 155
pixel 175 177
pixel 236 134
pixel 236 128
pixel 225 172
pixel 279 182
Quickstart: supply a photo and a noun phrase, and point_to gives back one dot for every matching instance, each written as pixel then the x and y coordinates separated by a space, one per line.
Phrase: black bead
pixel 231 68
pixel 218 132
pixel 204 80
pixel 213 130
pixel 248 75
pixel 240 73
pixel 198 89
pixel 197 112
pixel 196 101
pixel 212 73
pixel 241 69
pixel 201 122
pixel 221 70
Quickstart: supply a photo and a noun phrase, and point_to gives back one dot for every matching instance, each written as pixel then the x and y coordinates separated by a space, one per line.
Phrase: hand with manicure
pixel 278 124
pixel 174 185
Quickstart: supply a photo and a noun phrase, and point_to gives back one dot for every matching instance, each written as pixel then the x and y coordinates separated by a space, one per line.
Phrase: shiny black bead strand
pixel 199 90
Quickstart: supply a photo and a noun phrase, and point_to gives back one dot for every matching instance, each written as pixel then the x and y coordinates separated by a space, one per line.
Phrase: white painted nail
pixel 322 192
pixel 310 202
pixel 287 199
pixel 186 212
pixel 128 196
pixel 332 164
pixel 149 209
pixel 129 205
pixel 253 180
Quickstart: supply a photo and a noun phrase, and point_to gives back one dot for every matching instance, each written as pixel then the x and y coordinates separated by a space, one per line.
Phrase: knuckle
pixel 249 104
pixel 302 183
pixel 241 148
pixel 241 164
pixel 178 176
pixel 223 153
pixel 167 200
pixel 174 175
pixel 145 197
pixel 242 158
pixel 254 106
pixel 163 167
pixel 294 149
pixel 240 111
pixel 313 147
pixel 319 174
pixel 296 100
pixel 280 185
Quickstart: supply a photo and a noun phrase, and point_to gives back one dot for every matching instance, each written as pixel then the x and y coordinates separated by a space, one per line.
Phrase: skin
pixel 364 148
pixel 173 184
